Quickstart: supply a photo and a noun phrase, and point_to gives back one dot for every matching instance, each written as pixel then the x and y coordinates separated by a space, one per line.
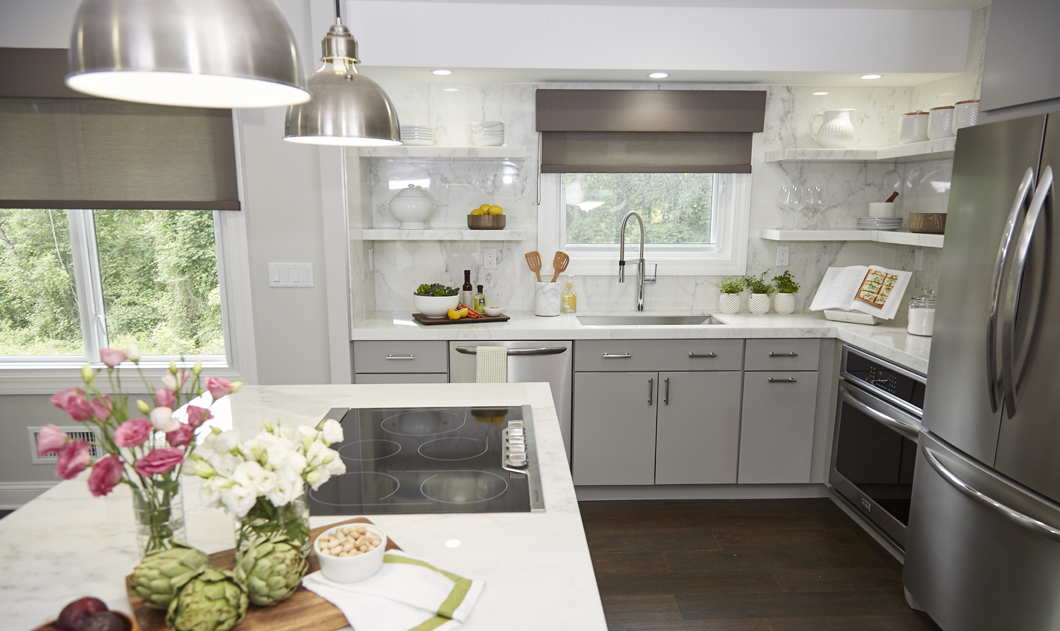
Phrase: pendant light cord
pixel 338 12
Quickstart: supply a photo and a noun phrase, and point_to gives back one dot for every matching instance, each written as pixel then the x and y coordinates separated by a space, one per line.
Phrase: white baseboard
pixel 15 494
pixel 701 492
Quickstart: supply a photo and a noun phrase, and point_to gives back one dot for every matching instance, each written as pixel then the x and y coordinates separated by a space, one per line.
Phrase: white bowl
pixel 492 311
pixel 435 306
pixel 352 569
pixel 493 141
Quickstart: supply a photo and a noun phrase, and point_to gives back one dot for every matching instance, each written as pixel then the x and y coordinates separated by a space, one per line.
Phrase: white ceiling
pixel 954 5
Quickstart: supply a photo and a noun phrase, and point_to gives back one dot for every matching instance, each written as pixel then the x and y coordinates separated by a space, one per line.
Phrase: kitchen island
pixel 66 544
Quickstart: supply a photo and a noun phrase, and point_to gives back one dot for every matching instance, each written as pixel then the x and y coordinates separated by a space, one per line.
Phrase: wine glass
pixel 814 200
pixel 784 203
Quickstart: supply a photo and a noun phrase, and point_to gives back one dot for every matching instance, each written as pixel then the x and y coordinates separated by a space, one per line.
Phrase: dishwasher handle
pixel 518 352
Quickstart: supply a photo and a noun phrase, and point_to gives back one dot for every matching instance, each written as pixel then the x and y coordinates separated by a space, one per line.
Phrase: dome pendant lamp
pixel 347 108
pixel 193 53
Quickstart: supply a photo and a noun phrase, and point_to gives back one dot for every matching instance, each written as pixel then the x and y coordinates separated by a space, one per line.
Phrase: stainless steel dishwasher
pixel 540 360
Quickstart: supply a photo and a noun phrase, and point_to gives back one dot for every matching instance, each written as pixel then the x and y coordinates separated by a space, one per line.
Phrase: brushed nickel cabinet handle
pixel 666 397
pixel 772 354
pixel 615 356
pixel 702 354
pixel 782 380
pixel 651 390
pixel 401 357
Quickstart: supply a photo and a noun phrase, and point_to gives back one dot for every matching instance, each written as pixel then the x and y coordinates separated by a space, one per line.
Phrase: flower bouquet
pixel 262 481
pixel 144 453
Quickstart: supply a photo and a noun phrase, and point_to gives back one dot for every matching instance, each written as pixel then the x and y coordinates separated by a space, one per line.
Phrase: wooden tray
pixel 303 610
pixel 424 320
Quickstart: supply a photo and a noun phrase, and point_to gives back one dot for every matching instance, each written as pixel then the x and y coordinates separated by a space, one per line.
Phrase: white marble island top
pixel 67 544
pixel 887 341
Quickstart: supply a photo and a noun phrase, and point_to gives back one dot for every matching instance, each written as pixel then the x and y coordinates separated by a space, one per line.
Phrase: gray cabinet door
pixel 776 435
pixel 614 427
pixel 698 435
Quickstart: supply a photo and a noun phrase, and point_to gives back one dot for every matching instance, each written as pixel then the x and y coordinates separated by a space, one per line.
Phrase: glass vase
pixel 266 520
pixel 159 515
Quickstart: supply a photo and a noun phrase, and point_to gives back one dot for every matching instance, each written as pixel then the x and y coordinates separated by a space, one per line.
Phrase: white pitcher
pixel 836 130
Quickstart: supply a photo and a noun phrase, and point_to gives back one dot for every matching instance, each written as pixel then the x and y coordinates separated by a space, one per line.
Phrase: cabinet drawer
pixel 675 355
pixel 782 354
pixel 400 357
pixel 406 377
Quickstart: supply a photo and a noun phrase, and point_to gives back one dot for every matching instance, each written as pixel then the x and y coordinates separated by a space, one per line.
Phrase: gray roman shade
pixel 59 149
pixel 648 131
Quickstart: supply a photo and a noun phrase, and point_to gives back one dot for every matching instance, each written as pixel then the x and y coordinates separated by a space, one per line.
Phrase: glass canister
pixel 922 314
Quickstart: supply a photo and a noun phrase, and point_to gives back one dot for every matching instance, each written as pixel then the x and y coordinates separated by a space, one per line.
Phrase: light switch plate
pixel 290 274
pixel 782 256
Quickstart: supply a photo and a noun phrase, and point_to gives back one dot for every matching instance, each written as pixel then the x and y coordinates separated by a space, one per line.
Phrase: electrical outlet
pixel 782 256
pixel 918 260
pixel 489 258
pixel 290 274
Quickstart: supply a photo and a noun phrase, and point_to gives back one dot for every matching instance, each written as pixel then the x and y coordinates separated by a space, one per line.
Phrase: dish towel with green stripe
pixel 491 364
pixel 407 594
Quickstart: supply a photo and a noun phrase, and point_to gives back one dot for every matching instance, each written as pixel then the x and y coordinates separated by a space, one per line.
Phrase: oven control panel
pixel 898 384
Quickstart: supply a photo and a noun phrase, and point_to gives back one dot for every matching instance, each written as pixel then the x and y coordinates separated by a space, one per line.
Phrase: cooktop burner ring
pixel 370 440
pixel 453 438
pixel 421 417
pixel 477 477
pixel 397 487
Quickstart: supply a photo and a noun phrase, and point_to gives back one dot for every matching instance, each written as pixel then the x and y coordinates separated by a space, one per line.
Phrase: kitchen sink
pixel 646 320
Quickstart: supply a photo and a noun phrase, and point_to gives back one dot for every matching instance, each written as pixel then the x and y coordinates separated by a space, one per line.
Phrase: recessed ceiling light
pixel 442 73
pixel 820 93
pixel 452 543
pixel 871 76
pixel 659 75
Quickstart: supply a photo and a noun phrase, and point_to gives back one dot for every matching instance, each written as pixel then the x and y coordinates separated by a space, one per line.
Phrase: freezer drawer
pixel 981 553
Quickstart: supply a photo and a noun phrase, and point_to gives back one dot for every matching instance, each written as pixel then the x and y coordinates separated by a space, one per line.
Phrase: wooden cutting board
pixel 303 610
pixel 422 319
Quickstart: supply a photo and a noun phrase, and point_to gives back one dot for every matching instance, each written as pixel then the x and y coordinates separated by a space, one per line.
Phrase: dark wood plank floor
pixel 5 513
pixel 757 565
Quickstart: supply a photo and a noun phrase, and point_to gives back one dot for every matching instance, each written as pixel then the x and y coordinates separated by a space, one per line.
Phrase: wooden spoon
pixel 559 264
pixel 533 259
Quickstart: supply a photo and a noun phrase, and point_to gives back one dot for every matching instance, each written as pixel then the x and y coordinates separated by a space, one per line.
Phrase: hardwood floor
pixel 747 565
pixel 5 513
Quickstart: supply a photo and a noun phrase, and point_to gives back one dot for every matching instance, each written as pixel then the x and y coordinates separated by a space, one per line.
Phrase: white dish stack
pixel 886 224
pixel 487 133
pixel 417 135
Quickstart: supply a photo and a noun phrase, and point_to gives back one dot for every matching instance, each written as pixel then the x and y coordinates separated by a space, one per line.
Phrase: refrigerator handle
pixel 1008 331
pixel 1023 194
pixel 990 503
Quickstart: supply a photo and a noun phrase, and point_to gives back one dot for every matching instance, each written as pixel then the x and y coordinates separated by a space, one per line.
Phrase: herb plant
pixel 786 283
pixel 759 284
pixel 732 285
pixel 436 289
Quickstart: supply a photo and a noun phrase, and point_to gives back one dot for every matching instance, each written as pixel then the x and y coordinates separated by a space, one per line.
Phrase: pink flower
pixel 133 432
pixel 50 439
pixel 111 356
pixel 165 398
pixel 197 416
pixel 162 419
pixel 74 403
pixel 105 475
pixel 181 436
pixel 219 387
pixel 102 408
pixel 73 458
pixel 159 461
pixel 62 399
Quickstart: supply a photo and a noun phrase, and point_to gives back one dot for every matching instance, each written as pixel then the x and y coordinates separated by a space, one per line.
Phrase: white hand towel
pixel 491 364
pixel 407 594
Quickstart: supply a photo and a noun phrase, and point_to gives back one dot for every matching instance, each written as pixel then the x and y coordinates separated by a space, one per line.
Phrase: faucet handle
pixel 651 279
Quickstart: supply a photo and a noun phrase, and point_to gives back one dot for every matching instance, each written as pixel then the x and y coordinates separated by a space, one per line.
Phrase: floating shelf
pixel 393 234
pixel 913 152
pixel 897 238
pixel 446 153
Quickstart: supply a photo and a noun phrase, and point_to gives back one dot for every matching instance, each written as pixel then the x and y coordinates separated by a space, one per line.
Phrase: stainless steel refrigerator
pixel 983 543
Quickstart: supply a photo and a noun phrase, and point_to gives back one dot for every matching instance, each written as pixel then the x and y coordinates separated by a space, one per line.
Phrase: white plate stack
pixel 417 135
pixel 886 224
pixel 487 133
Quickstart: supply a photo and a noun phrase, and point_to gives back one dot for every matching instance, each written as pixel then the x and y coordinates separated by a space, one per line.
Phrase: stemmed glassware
pixel 788 200
pixel 813 201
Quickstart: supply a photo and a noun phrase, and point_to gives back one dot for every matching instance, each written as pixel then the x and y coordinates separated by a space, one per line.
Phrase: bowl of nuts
pixel 350 552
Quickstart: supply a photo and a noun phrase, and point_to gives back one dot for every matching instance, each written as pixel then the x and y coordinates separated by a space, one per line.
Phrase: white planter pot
pixel 435 306
pixel 784 303
pixel 759 304
pixel 729 304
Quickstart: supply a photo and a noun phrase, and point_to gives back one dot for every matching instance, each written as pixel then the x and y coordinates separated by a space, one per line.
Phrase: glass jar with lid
pixel 922 314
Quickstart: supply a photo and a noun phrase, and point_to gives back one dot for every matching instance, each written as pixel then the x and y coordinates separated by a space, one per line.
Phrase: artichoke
pixel 271 569
pixel 159 576
pixel 212 601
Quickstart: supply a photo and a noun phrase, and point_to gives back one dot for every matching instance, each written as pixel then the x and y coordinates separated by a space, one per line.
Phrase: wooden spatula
pixel 559 263
pixel 533 259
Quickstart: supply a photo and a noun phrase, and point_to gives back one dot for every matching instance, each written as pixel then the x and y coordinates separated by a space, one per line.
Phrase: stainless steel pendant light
pixel 347 108
pixel 196 53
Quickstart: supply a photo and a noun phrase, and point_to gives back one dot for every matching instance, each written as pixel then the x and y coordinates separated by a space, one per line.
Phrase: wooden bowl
pixel 130 622
pixel 927 223
pixel 486 222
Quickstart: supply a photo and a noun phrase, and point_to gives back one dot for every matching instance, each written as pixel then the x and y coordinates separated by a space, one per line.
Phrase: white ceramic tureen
pixel 413 206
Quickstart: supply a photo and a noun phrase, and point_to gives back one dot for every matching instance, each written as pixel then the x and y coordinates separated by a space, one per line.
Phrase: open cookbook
pixel 861 289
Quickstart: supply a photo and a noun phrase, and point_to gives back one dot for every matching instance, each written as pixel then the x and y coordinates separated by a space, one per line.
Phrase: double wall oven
pixel 874 447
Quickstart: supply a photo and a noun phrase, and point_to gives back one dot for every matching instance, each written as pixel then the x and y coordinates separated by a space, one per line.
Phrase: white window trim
pixel 730 228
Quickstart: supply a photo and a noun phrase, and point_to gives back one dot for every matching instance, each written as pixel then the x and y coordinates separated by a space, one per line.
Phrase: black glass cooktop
pixel 420 460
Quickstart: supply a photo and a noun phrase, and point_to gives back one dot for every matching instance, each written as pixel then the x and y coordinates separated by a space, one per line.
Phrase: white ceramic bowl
pixel 352 569
pixel 493 311
pixel 435 306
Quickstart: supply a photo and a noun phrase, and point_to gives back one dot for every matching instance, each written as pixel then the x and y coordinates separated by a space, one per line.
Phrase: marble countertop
pixel 889 342
pixel 66 544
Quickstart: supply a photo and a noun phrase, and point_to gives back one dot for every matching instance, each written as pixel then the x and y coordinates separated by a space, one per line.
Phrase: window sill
pixel 51 377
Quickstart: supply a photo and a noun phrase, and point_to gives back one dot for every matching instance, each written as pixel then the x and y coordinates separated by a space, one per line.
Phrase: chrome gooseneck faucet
pixel 641 277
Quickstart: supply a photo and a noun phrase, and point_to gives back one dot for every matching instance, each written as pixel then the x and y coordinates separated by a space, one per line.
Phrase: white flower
pixel 255 478
pixel 238 499
pixel 288 488
pixel 304 434
pixel 318 454
pixel 162 419
pixel 332 432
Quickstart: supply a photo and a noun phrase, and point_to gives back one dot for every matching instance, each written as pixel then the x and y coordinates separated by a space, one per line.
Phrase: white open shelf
pixel 446 153
pixel 897 238
pixel 913 152
pixel 456 234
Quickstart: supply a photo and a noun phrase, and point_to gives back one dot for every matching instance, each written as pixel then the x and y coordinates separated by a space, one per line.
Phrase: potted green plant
pixel 730 295
pixel 761 290
pixel 784 301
